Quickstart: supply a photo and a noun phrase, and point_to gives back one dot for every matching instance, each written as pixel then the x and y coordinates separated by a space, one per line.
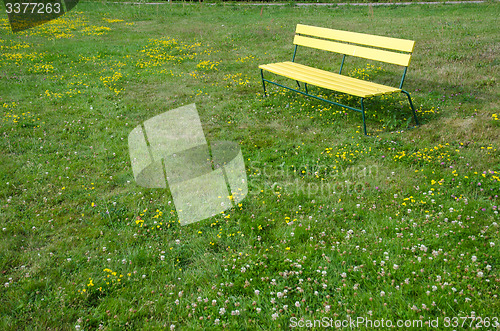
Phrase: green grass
pixel 399 225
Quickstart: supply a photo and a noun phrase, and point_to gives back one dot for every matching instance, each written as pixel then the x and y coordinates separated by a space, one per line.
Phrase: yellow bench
pixel 371 47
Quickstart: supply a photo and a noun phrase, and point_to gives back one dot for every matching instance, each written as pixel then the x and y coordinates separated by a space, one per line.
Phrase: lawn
pixel 337 227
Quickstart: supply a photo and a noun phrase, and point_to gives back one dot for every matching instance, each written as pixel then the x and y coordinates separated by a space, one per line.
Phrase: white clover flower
pixel 222 311
pixel 474 258
pixel 297 304
pixel 382 293
pixel 257 292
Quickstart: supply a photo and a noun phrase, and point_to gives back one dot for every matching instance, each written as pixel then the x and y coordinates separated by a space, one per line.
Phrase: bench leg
pixel 305 86
pixel 263 82
pixel 411 105
pixel 363 114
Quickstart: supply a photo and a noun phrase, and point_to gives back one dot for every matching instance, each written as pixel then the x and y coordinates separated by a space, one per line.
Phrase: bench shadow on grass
pixel 384 114
pixel 387 113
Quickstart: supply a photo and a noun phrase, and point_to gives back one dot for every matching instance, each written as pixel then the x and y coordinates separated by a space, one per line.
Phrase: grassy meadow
pixel 400 225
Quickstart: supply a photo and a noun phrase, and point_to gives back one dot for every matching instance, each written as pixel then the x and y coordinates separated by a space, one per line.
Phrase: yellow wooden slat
pixel 304 78
pixel 328 79
pixel 403 45
pixel 353 50
pixel 308 77
pixel 364 87
pixel 345 79
pixel 322 84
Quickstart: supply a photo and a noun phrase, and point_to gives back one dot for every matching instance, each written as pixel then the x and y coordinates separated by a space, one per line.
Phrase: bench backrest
pixel 371 47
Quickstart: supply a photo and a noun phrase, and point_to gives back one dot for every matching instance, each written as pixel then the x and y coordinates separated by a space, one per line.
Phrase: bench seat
pixel 328 80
